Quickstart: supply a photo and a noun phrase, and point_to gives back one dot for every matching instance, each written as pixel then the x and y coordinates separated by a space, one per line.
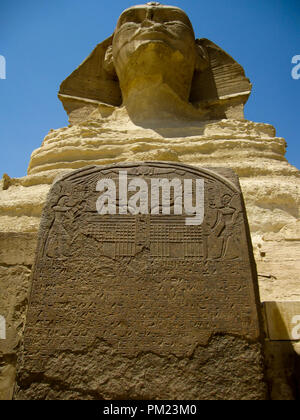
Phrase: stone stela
pixel 143 305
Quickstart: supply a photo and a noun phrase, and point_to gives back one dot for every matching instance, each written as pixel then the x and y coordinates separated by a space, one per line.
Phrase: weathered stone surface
pixel 7 376
pixel 16 258
pixel 21 207
pixel 282 349
pixel 150 375
pixel 143 305
pixel 14 287
pixel 104 131
pixel 17 248
pixel 283 369
pixel 278 265
pixel 270 185
pixel 14 282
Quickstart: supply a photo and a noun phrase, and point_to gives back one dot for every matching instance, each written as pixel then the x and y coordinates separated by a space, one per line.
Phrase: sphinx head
pixel 155 45
pixel 156 69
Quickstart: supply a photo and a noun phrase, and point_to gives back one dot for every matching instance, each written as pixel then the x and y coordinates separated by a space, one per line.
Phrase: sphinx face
pixel 154 40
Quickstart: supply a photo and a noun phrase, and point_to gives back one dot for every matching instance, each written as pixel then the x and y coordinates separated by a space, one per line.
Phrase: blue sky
pixel 43 41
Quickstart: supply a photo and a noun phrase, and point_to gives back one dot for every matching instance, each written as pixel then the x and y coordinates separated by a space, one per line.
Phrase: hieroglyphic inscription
pixel 144 282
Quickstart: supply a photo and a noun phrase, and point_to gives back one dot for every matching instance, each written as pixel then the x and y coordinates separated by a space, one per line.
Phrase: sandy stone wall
pixel 16 258
pixel 269 183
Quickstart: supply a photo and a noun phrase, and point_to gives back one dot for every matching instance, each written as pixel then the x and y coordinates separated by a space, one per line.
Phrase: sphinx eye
pixel 132 16
pixel 176 16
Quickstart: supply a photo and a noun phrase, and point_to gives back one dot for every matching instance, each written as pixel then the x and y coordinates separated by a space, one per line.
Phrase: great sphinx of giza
pixel 153 92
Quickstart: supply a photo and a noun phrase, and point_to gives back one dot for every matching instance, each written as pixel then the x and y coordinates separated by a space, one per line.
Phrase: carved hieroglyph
pixel 143 305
